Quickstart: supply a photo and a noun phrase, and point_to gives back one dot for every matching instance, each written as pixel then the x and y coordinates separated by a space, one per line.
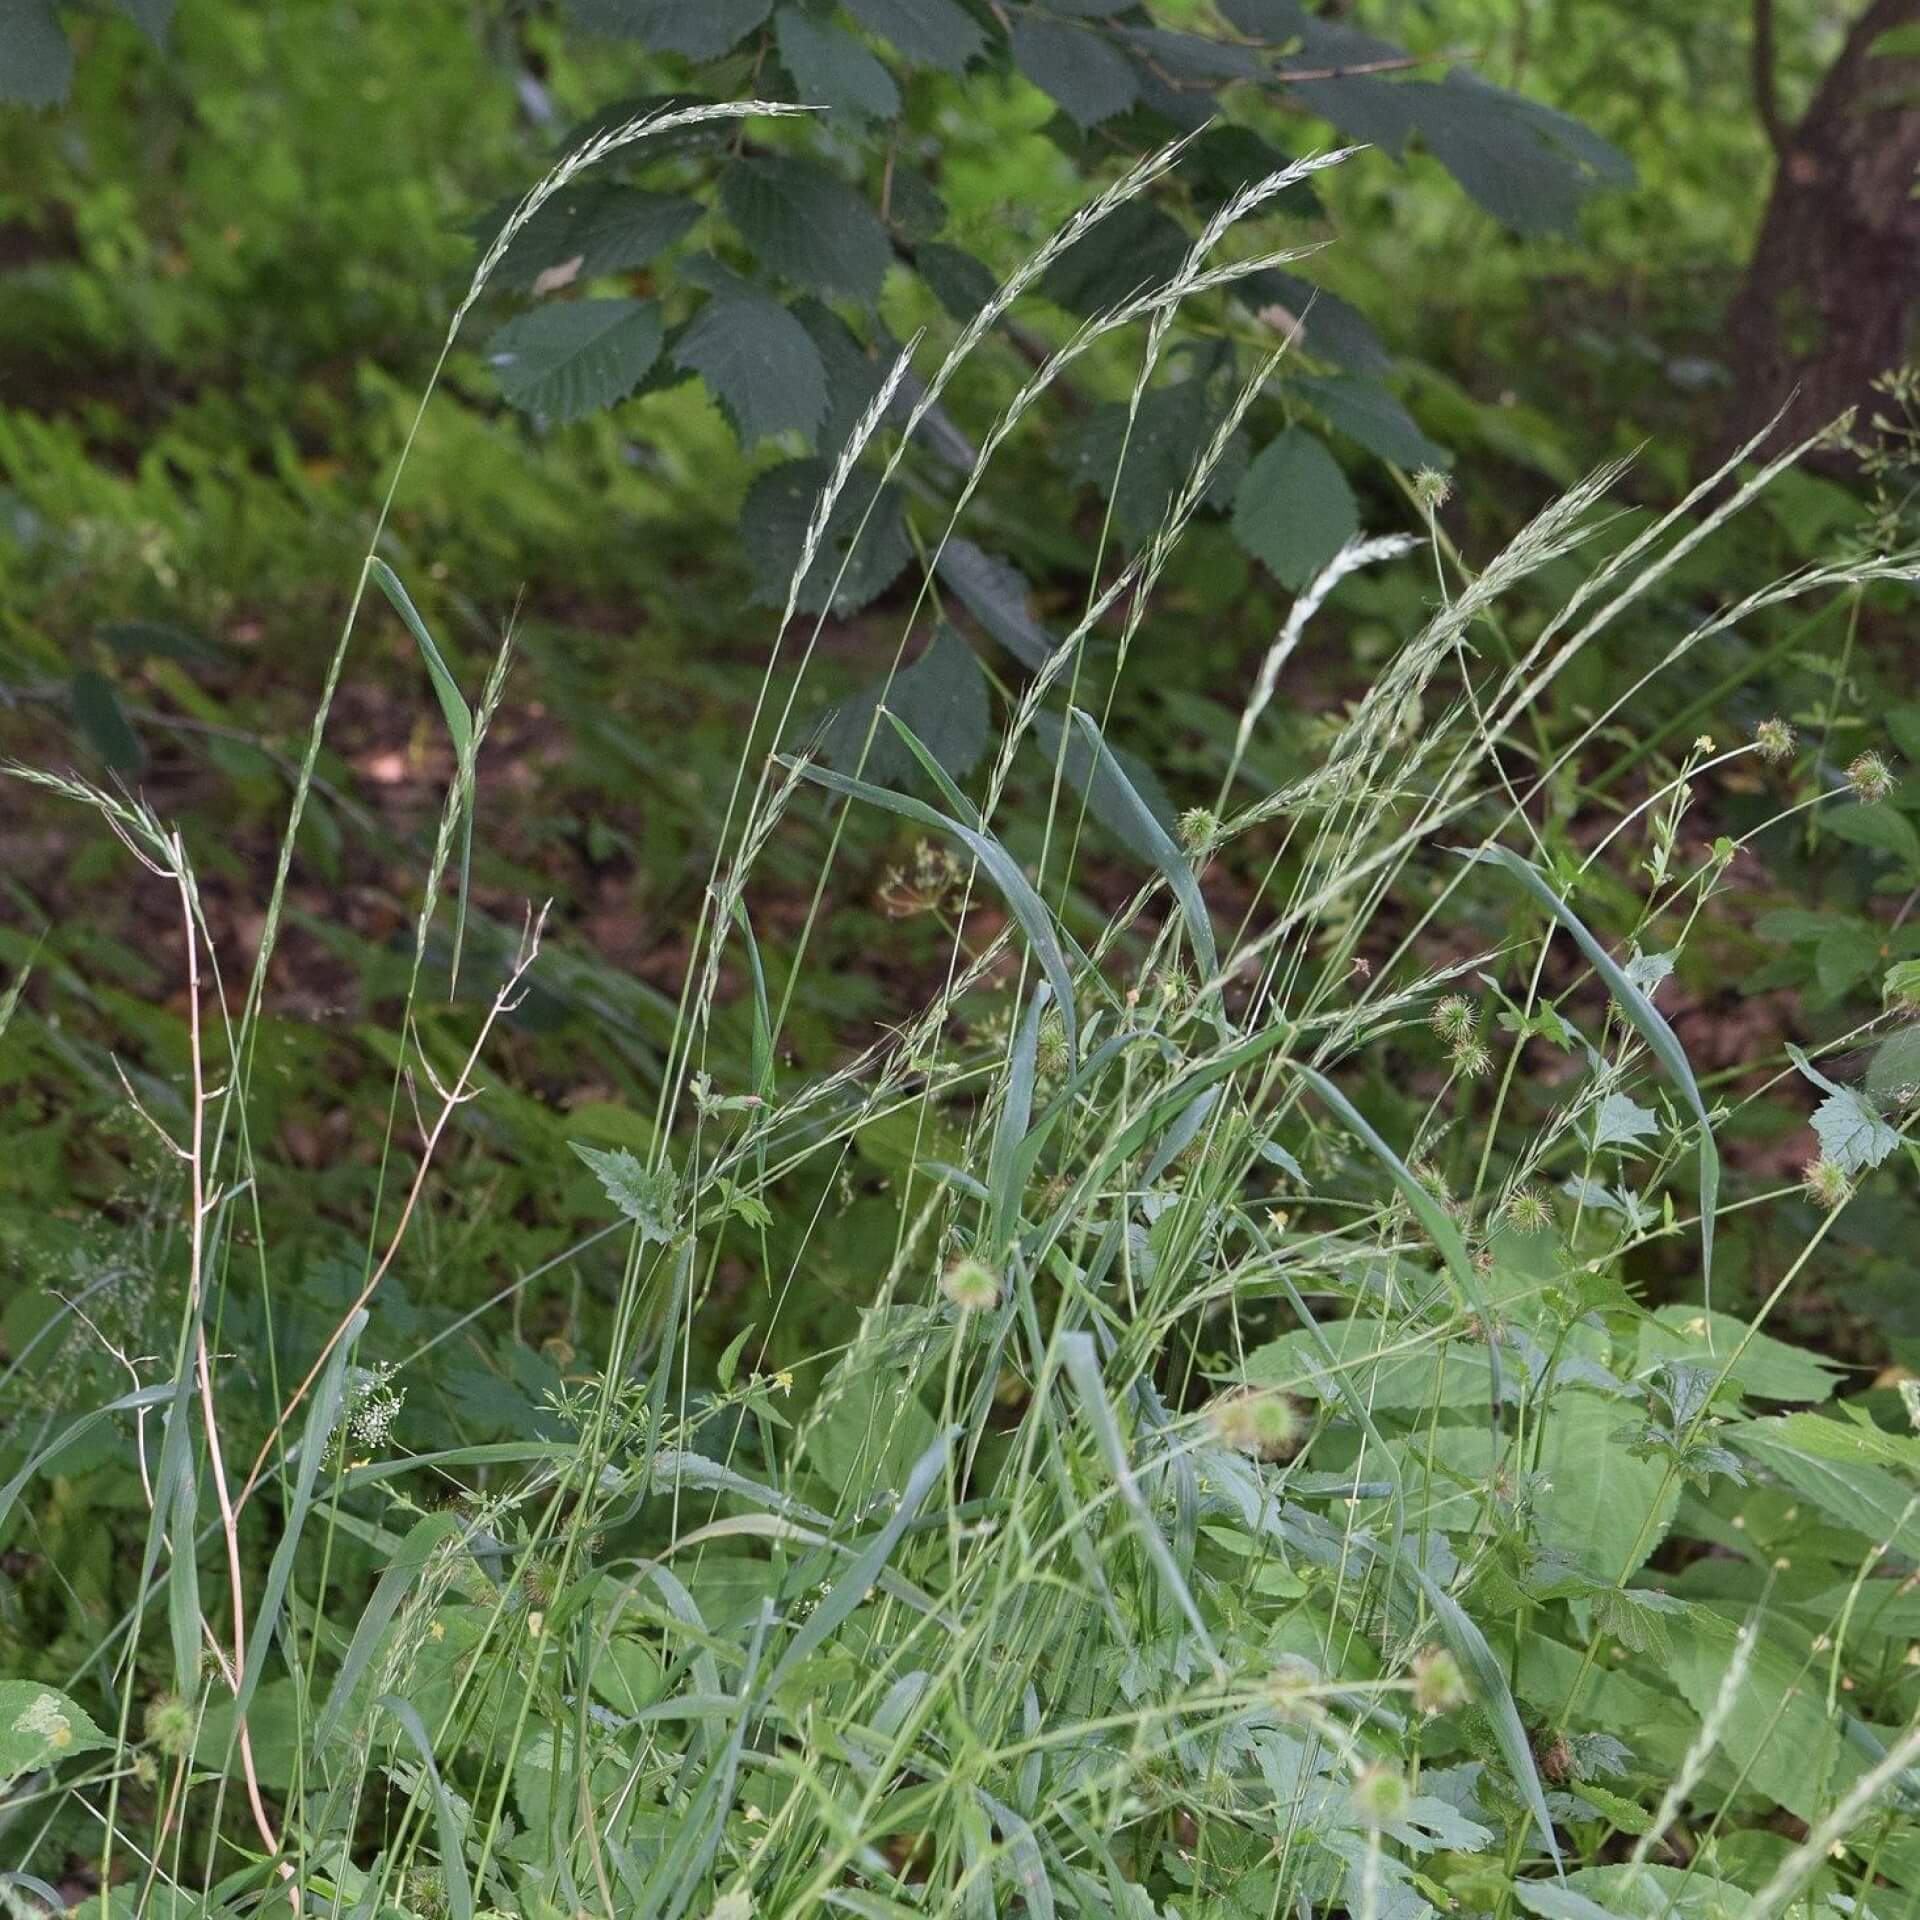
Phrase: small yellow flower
pixel 784 1379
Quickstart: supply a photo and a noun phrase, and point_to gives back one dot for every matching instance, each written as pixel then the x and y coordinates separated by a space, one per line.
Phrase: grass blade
pixel 1146 833
pixel 1646 1019
pixel 1025 905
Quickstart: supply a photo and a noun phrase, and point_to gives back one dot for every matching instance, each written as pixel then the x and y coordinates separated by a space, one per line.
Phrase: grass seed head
pixel 1827 1184
pixel 1258 1421
pixel 1381 1796
pixel 1438 1683
pixel 971 1285
pixel 1871 779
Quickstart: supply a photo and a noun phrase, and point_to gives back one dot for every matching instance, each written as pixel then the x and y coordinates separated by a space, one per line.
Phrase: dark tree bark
pixel 1834 282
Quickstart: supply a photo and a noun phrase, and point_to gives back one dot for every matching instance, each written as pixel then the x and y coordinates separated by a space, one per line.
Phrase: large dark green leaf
pixel 962 284
pixel 995 592
pixel 1335 330
pixel 942 697
pixel 759 362
pixel 832 69
pixel 569 360
pixel 1294 509
pixel 853 378
pixel 1365 411
pixel 36 64
pixel 773 525
pixel 939 31
pixel 808 225
pixel 1133 248
pixel 607 227
pixel 1081 70
pixel 1527 165
pixel 1142 463
pixel 700 29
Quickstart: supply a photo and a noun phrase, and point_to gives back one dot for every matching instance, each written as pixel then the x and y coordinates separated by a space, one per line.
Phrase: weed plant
pixel 1233 1501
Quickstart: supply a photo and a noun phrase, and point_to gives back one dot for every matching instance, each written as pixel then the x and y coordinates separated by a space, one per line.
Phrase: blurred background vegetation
pixel 230 242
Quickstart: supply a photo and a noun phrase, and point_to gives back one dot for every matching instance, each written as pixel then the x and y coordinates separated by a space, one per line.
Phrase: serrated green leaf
pixel 1078 68
pixel 759 362
pixel 1851 1133
pixel 41 1726
pixel 1620 1120
pixel 1141 459
pixel 569 360
pixel 1885 829
pixel 1606 1505
pixel 1526 164
pixel 1775 1720
pixel 1365 411
pixel 996 593
pixel 1335 329
pixel 962 284
pixel 773 524
pixel 1824 1462
pixel 1766 1368
pixel 832 69
pixel 808 226
pixel 1388 1367
pixel 853 376
pixel 1294 509
pixel 607 227
pixel 939 31
pixel 647 1197
pixel 1133 248
pixel 700 29
pixel 941 697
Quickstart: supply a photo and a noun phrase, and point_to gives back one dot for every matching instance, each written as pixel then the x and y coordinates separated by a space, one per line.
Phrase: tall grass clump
pixel 1251 1487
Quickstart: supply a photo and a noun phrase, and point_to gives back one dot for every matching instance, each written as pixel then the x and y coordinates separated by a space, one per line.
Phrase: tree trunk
pixel 1835 276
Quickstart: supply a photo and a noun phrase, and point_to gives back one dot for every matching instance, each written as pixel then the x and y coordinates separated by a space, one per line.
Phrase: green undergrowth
pixel 1238 1471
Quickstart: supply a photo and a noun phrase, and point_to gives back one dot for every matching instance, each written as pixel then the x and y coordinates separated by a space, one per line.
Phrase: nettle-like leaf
pixel 1851 1133
pixel 773 525
pixel 940 32
pixel 1294 510
pixel 700 29
pixel 646 1197
pixel 807 225
pixel 1620 1120
pixel 40 1726
pixel 830 68
pixel 601 225
pixel 1080 69
pixel 569 360
pixel 759 362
